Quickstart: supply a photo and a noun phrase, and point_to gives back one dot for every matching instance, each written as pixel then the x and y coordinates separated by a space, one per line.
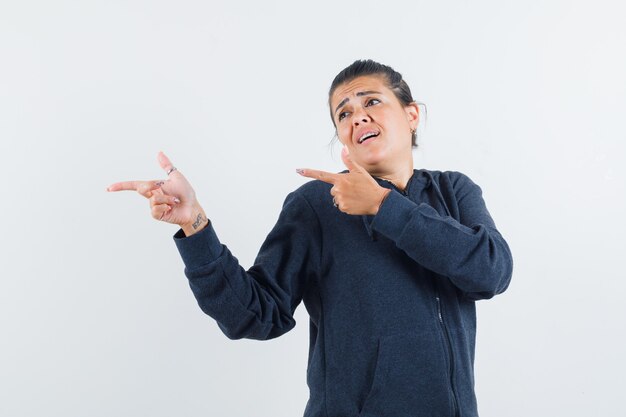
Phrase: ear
pixel 412 114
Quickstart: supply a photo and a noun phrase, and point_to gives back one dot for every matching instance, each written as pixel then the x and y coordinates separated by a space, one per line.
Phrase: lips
pixel 365 135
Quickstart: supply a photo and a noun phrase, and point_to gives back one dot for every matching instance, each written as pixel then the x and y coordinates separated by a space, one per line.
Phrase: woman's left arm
pixel 471 251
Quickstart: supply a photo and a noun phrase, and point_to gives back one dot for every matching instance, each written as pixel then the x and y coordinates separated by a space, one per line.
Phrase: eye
pixel 342 115
pixel 372 102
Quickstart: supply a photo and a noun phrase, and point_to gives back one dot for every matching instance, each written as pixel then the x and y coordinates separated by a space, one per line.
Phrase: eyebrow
pixel 360 93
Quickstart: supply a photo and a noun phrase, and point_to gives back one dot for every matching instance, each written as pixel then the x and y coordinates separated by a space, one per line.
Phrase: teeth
pixel 367 135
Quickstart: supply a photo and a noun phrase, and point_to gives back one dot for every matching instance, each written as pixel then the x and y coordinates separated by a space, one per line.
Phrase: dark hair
pixel 393 79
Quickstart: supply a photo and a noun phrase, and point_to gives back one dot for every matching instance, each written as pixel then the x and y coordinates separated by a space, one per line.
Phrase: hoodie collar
pixel 420 176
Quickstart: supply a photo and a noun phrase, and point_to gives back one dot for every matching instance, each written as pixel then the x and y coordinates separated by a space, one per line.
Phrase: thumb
pixel 348 162
pixel 164 162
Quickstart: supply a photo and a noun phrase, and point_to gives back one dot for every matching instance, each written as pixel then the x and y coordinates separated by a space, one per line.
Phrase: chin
pixel 374 158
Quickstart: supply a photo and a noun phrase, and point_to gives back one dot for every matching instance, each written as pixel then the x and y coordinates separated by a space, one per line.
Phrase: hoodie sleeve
pixel 258 303
pixel 471 252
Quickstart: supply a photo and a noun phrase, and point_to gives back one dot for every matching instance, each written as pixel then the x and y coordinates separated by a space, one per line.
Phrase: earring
pixel 413 131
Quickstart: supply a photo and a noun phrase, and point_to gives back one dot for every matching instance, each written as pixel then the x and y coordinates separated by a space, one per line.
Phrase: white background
pixel 96 316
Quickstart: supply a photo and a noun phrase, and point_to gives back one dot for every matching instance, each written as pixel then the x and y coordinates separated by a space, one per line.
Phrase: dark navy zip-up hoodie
pixel 390 297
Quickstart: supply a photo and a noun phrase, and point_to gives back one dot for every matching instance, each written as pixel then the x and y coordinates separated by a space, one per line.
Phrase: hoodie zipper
pixel 444 329
pixel 455 405
pixel 442 323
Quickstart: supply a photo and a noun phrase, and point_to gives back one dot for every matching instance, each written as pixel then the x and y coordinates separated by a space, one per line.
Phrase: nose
pixel 360 116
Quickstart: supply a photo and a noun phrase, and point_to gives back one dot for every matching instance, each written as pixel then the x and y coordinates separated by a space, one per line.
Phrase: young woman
pixel 388 260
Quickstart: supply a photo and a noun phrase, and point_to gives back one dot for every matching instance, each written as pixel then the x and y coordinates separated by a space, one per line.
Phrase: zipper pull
pixel 439 309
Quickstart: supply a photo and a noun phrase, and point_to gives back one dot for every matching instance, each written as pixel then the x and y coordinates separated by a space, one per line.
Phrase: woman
pixel 388 260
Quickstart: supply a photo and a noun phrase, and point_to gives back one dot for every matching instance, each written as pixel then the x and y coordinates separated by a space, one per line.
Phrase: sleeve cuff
pixel 200 248
pixel 393 215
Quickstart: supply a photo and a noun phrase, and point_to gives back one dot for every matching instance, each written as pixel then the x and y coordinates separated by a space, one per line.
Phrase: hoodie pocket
pixel 410 378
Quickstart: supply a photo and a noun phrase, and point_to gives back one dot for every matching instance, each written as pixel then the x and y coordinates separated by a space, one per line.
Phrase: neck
pixel 399 176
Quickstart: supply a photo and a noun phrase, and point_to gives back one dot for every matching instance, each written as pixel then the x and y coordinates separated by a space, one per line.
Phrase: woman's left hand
pixel 355 192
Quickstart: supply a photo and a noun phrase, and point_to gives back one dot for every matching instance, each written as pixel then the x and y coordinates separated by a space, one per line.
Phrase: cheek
pixel 344 134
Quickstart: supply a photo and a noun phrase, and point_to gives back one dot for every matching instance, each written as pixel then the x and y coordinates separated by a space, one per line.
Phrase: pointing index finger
pixel 327 177
pixel 124 186
pixel 143 187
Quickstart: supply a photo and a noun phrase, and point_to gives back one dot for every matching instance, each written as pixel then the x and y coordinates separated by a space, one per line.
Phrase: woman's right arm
pixel 257 303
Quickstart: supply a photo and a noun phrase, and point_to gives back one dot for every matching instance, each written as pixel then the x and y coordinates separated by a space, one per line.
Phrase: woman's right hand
pixel 172 200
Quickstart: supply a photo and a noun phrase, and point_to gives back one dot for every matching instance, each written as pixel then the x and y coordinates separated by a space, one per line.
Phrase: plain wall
pixel 96 315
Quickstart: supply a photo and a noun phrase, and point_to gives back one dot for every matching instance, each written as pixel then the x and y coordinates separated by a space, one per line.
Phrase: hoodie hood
pixel 421 178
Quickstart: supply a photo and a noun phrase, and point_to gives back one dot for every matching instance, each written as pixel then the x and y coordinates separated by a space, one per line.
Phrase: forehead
pixel 366 83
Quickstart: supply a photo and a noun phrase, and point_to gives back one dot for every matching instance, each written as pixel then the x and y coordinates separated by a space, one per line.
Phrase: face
pixel 373 124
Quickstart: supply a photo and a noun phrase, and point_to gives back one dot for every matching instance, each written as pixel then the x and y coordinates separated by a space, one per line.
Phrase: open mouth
pixel 367 136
